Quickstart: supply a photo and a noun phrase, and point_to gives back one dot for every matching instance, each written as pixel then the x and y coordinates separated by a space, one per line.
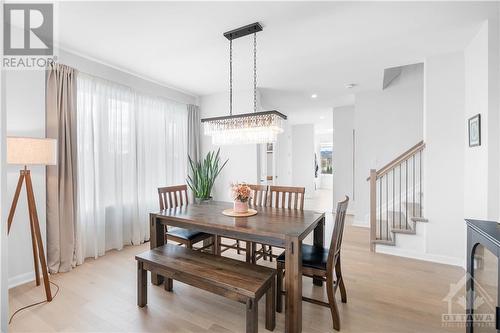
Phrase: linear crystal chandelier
pixel 256 127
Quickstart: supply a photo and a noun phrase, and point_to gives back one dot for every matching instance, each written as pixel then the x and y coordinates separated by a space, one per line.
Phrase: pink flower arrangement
pixel 241 192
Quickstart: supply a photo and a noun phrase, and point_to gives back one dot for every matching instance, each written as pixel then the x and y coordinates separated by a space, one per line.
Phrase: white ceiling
pixel 305 48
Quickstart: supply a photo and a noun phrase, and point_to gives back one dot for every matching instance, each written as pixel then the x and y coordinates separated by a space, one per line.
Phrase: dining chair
pixel 288 197
pixel 319 262
pixel 258 198
pixel 176 196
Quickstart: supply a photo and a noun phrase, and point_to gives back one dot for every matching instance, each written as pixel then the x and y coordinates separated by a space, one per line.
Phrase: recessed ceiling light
pixel 314 96
pixel 322 117
pixel 350 85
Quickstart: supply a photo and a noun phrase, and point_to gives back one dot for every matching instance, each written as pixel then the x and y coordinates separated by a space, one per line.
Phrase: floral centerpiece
pixel 241 195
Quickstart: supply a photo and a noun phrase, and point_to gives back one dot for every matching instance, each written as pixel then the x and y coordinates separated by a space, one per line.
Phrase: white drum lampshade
pixel 29 151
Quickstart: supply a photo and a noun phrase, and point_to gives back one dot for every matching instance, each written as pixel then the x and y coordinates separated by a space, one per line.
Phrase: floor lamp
pixel 32 151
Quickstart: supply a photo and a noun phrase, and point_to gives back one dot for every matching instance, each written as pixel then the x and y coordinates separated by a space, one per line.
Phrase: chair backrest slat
pixel 290 197
pixel 168 196
pixel 338 232
pixel 170 203
pixel 180 198
pixel 161 199
pixel 259 195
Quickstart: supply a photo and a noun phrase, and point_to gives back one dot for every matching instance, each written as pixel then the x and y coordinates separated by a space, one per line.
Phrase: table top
pixel 269 222
pixel 489 229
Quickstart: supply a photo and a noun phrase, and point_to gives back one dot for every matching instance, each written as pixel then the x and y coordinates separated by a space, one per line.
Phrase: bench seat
pixel 233 279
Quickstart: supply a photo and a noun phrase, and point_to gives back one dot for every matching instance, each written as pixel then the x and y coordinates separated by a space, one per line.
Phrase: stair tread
pixel 384 242
pixel 404 231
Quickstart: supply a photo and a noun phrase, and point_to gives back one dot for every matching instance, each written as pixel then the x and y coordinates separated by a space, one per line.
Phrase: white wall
pixel 284 156
pixel 459 181
pixel 443 163
pixel 102 70
pixel 498 75
pixel 481 194
pixel 343 126
pixel 387 123
pixel 303 157
pixel 494 115
pixel 25 112
pixel 242 165
pixel 476 101
pixel 4 307
pixel 25 105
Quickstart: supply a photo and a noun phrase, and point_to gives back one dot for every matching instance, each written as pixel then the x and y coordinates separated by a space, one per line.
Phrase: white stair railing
pixel 396 196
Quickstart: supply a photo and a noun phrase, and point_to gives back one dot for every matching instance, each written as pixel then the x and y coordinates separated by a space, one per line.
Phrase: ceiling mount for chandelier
pixel 255 127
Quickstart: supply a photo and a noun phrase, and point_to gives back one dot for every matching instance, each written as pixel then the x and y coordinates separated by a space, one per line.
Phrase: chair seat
pixel 312 256
pixel 187 234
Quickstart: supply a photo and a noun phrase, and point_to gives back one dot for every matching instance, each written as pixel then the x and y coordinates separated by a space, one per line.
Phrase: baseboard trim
pixel 21 279
pixel 394 251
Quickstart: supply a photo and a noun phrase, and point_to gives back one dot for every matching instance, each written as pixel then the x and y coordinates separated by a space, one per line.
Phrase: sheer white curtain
pixel 129 144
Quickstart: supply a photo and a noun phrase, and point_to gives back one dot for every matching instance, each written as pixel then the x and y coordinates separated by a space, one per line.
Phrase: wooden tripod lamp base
pixel 31 151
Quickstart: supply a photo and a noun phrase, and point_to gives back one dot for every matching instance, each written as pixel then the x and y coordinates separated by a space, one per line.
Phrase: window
pixel 326 158
pixel 129 144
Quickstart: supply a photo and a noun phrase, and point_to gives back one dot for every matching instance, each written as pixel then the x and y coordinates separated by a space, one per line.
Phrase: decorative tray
pixel 231 212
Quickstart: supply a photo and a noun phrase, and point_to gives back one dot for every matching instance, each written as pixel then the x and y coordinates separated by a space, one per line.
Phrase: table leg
pixel 156 239
pixel 293 284
pixel 217 245
pixel 319 240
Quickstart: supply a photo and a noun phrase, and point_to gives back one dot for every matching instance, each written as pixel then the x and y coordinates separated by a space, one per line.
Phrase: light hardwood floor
pixel 385 294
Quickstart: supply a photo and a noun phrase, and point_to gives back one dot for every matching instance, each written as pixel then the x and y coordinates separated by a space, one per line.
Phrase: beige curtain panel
pixel 61 178
pixel 194 132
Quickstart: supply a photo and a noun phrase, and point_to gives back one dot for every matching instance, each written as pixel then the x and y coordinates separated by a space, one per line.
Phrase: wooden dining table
pixel 279 227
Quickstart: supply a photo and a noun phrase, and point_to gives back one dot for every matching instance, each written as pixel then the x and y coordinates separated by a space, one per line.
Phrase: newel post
pixel 373 208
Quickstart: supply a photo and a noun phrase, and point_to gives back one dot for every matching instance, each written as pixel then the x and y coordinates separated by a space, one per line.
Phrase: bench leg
pixel 252 316
pixel 271 307
pixel 168 284
pixel 142 285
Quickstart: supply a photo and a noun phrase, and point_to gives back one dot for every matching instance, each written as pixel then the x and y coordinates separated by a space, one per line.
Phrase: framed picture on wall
pixel 475 131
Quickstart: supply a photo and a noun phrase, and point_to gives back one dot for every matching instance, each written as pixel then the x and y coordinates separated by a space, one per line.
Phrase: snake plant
pixel 203 174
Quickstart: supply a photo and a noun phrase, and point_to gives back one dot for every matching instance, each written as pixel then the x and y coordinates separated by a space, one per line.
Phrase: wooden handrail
pixel 401 158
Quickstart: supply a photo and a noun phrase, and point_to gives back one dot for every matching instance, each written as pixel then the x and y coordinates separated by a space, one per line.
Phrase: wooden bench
pixel 233 279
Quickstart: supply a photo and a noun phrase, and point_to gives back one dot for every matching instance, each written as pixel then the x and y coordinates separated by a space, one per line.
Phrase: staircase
pixel 396 197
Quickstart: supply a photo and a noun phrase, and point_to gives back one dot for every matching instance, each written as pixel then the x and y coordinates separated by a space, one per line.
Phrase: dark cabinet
pixel 482 278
